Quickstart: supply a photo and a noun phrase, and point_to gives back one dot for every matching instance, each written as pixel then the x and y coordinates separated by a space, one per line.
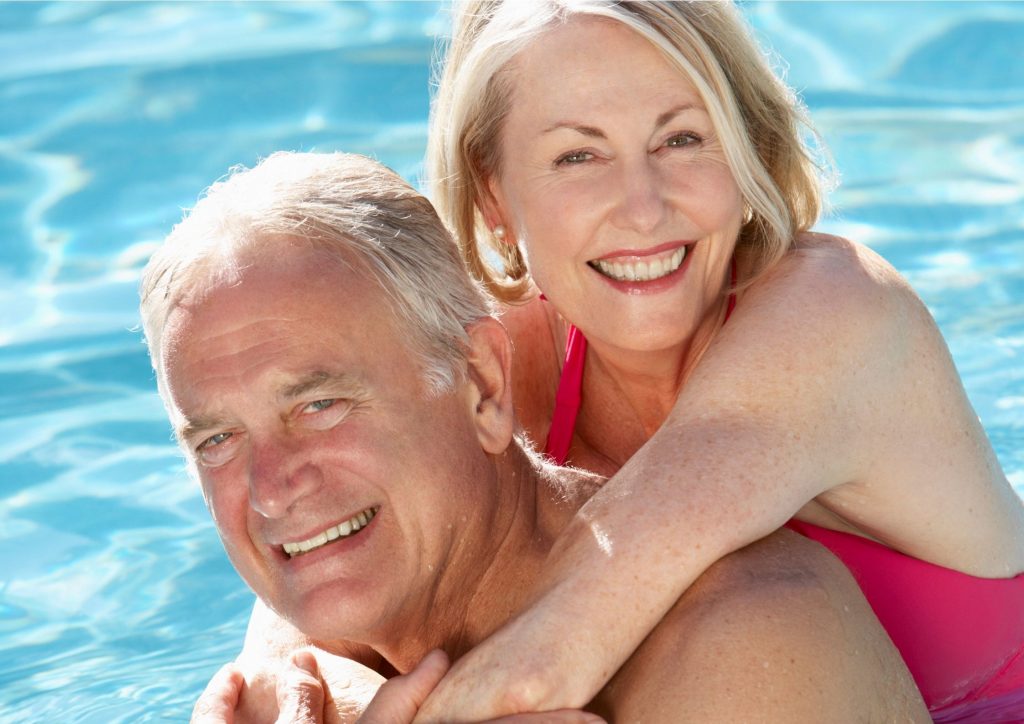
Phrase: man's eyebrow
pixel 194 426
pixel 318 379
pixel 593 132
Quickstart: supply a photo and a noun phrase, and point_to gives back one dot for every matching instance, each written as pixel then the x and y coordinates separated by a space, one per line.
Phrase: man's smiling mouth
pixel 640 269
pixel 343 530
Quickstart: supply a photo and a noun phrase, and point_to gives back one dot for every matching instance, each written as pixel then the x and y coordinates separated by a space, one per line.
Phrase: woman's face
pixel 615 186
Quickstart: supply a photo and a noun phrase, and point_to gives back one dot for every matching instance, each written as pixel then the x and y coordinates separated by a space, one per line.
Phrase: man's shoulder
pixel 779 626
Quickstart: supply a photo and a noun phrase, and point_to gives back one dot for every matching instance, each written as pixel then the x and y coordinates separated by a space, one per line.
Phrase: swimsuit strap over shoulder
pixel 570 387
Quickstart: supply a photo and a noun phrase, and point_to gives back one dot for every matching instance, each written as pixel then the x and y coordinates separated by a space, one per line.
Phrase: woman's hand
pixel 400 698
pixel 301 697
pixel 561 650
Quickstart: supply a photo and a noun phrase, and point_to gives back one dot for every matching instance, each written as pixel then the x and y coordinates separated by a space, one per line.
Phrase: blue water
pixel 116 600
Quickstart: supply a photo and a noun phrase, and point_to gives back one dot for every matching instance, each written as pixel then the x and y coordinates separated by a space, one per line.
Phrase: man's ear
pixel 489 366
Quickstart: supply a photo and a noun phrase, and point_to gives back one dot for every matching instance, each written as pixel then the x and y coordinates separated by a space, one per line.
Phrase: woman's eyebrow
pixel 671 113
pixel 574 126
pixel 593 132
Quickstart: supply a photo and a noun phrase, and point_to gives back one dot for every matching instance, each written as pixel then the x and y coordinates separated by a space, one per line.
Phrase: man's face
pixel 310 428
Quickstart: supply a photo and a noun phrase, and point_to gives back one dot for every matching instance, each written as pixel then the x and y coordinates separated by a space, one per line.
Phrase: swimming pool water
pixel 116 600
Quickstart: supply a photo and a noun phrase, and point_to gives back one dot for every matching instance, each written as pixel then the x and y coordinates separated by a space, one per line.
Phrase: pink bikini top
pixel 962 637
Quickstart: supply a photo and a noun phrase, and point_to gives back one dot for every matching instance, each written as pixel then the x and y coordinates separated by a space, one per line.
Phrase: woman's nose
pixel 641 206
pixel 280 474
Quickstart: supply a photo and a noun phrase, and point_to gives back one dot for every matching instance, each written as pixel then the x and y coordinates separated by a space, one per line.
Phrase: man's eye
pixel 318 406
pixel 324 414
pixel 216 449
pixel 213 441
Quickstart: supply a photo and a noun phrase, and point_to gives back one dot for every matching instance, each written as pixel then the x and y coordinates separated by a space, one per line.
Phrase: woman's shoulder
pixel 838 281
pixel 833 304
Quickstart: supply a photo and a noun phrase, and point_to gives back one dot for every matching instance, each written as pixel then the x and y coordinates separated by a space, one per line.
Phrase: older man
pixel 343 396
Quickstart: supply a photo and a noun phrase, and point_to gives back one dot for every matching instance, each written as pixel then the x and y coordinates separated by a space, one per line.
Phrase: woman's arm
pixel 830 381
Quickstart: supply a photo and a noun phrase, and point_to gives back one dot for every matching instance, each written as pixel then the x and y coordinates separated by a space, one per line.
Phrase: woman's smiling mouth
pixel 631 268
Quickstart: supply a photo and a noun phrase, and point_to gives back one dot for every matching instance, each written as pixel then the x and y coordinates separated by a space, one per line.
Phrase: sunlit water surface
pixel 116 600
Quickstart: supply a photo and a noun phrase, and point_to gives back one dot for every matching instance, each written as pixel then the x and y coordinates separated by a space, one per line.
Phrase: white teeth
pixel 641 270
pixel 342 530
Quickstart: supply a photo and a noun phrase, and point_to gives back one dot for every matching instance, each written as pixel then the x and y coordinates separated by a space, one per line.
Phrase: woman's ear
pixel 491 202
pixel 489 366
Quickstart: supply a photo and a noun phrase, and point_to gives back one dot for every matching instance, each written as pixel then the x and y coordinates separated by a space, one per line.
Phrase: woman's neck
pixel 628 394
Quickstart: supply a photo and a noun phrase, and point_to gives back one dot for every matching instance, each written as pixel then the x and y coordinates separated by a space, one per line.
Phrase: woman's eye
pixel 573 157
pixel 681 140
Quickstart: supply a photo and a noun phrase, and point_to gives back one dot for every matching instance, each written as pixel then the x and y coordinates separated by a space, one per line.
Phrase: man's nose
pixel 280 474
pixel 642 204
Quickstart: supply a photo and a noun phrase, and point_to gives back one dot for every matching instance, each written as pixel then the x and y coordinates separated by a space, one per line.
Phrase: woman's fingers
pixel 300 693
pixel 400 698
pixel 217 703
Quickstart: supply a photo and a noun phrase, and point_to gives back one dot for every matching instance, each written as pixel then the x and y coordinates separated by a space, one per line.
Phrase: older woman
pixel 638 172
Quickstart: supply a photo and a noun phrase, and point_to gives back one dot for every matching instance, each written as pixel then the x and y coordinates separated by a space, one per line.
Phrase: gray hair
pixel 345 206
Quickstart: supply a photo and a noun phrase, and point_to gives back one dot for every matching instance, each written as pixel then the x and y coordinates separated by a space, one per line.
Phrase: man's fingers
pixel 560 716
pixel 400 698
pixel 216 705
pixel 300 695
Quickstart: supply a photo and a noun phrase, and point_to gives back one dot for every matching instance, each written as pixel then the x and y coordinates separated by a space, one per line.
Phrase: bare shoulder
pixel 834 347
pixel 837 280
pixel 830 308
pixel 538 341
pixel 777 629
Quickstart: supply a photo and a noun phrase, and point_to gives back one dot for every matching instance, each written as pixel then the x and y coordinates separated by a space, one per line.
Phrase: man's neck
pixel 536 503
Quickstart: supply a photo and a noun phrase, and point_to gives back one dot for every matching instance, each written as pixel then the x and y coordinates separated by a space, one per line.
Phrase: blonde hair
pixel 346 207
pixel 756 116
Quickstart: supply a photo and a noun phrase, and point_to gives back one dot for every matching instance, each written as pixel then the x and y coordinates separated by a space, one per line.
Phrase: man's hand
pixel 267 691
pixel 217 703
pixel 301 697
pixel 300 694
